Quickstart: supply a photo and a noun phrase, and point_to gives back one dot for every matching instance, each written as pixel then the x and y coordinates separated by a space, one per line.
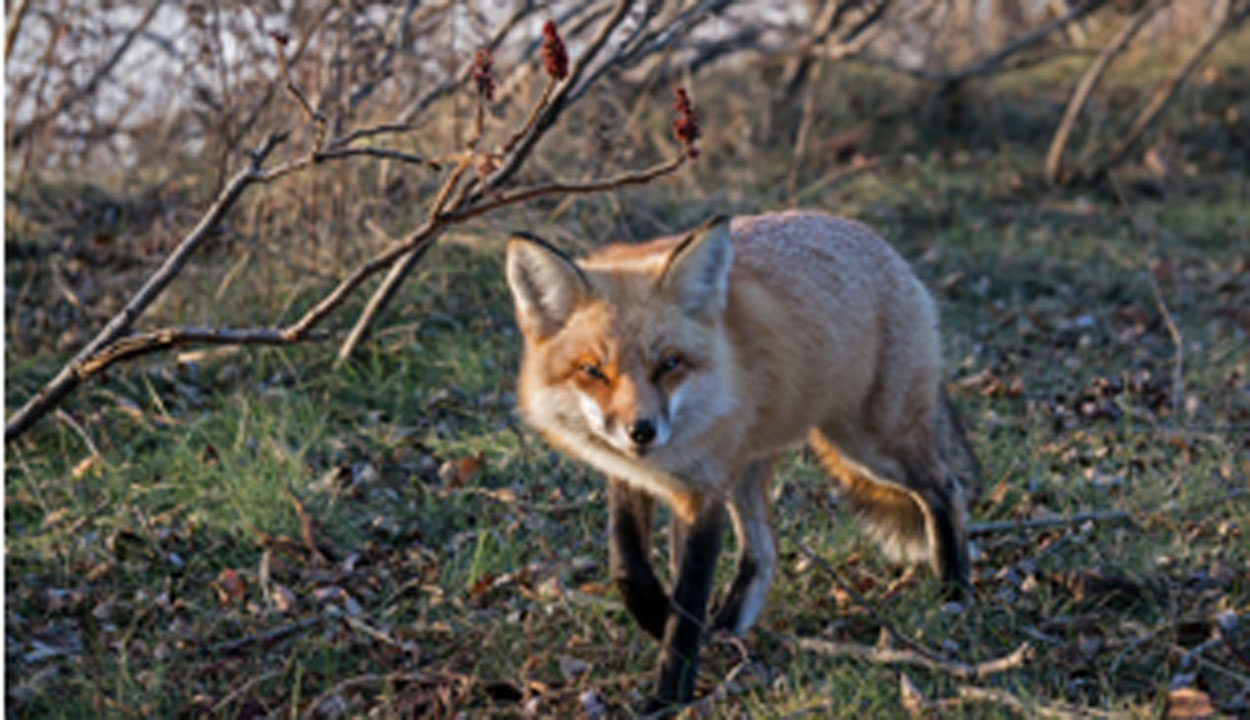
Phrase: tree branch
pixel 67 100
pixel 1088 82
pixel 1226 20
pixel 67 379
pixel 554 103
pixel 894 656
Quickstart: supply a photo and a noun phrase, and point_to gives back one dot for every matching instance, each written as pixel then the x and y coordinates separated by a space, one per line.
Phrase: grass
pixel 471 556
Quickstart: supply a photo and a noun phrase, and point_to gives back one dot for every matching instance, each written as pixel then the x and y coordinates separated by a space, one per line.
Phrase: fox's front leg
pixel 629 563
pixel 679 656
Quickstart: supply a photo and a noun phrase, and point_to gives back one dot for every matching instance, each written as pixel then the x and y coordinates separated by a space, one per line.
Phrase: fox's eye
pixel 668 364
pixel 592 371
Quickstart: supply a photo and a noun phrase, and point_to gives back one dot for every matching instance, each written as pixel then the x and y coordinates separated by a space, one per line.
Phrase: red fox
pixel 682 367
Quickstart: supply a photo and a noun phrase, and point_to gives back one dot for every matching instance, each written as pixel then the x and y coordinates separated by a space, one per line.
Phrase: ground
pixel 248 532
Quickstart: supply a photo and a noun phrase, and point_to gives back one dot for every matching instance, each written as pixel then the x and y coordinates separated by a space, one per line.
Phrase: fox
pixel 682 367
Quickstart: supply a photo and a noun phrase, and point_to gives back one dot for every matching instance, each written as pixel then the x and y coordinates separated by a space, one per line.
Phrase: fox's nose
pixel 642 433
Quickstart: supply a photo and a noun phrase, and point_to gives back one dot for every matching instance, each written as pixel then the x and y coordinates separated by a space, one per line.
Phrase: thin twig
pixel 1085 87
pixel 448 86
pixel 239 691
pixel 78 430
pixel 989 528
pixel 341 153
pixel 265 637
pixel 893 656
pixel 314 116
pixel 14 23
pixel 1178 385
pixel 533 116
pixel 996 696
pixel 568 188
pixel 409 648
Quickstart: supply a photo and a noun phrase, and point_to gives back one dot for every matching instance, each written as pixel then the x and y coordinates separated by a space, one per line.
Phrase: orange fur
pixel 820 332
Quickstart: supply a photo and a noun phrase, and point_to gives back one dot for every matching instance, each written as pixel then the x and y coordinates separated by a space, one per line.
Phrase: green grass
pixel 479 586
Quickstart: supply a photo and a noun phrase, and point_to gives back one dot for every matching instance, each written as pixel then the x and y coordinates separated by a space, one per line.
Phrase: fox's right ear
pixel 546 284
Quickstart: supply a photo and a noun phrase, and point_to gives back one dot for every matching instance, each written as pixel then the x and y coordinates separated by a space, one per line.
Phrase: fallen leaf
pixel 84 466
pixel 230 588
pixel 481 585
pixel 454 473
pixel 909 695
pixel 1189 703
pixel 572 668
pixel 282 597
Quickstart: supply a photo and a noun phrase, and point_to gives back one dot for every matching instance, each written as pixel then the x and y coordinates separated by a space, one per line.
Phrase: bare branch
pixel 990 64
pixel 989 528
pixel 67 100
pixel 447 86
pixel 894 656
pixel 1225 21
pixel 341 153
pixel 567 188
pixel 552 104
pixel 997 696
pixel 14 23
pixel 167 338
pixel 316 118
pixel 67 379
pixel 1094 73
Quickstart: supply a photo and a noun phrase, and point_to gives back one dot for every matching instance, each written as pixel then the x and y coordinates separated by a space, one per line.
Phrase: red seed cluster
pixel 280 37
pixel 555 57
pixel 482 67
pixel 686 124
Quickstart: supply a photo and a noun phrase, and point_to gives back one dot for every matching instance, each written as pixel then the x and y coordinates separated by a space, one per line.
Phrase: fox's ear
pixel 546 285
pixel 697 273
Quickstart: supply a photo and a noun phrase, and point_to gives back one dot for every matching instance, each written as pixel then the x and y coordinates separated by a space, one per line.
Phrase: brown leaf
pixel 305 530
pixel 481 585
pixel 209 455
pixel 229 587
pixel 1189 703
pixel 454 473
pixel 84 466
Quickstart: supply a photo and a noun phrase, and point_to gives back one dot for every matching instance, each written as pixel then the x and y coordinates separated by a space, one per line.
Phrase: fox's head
pixel 625 349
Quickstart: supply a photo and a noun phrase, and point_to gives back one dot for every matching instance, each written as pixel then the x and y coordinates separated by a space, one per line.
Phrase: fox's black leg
pixel 679 656
pixel 629 534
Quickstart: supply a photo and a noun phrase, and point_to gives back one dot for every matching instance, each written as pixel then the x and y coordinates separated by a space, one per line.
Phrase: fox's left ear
pixel 697 273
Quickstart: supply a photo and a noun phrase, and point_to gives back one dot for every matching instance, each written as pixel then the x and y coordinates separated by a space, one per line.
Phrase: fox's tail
pixel 921 514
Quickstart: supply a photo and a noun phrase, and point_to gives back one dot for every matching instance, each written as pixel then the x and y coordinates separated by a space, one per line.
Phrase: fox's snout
pixel 630 426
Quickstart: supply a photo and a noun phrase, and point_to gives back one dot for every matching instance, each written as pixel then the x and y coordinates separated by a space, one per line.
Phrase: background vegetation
pixel 247 531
